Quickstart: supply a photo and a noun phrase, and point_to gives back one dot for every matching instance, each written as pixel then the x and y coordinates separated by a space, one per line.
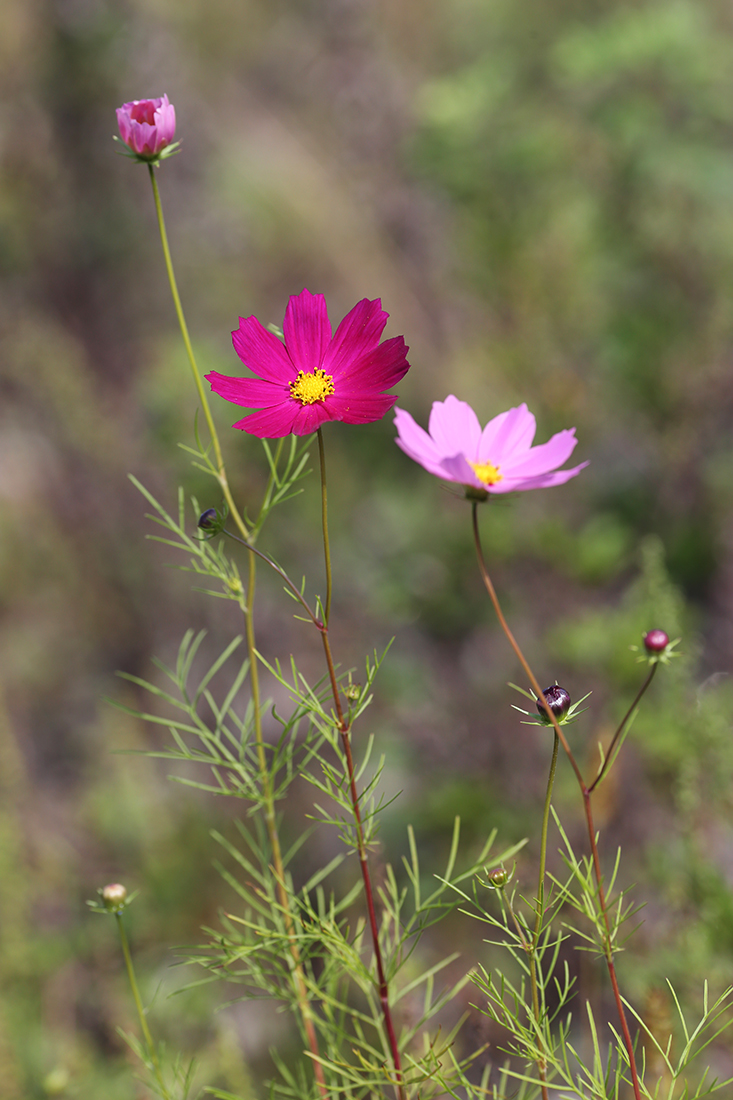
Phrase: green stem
pixel 324 524
pixel 540 908
pixel 219 468
pixel 152 1054
pixel 622 725
pixel 248 609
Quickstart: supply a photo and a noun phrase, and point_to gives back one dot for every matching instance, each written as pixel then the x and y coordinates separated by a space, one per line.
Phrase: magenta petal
pixel 307 330
pixel 379 369
pixel 309 418
pixel 454 427
pixel 253 393
pixel 359 408
pixel 262 352
pixel 538 460
pixel 270 423
pixel 358 333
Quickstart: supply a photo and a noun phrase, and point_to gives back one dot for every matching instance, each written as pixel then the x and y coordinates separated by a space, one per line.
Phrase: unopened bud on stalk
pixel 558 700
pixel 147 127
pixel 114 896
pixel 499 878
pixel 655 641
pixel 208 520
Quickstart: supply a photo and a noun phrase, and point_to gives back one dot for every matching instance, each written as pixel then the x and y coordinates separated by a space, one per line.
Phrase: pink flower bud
pixel 147 126
pixel 655 641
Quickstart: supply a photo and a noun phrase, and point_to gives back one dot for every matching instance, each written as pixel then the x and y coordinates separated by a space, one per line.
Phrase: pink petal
pixel 454 427
pixel 123 123
pixel 538 460
pixel 270 423
pixel 456 468
pixel 253 393
pixel 378 369
pixel 307 330
pixel 359 408
pixel 416 442
pixel 262 352
pixel 507 434
pixel 358 333
pixel 542 481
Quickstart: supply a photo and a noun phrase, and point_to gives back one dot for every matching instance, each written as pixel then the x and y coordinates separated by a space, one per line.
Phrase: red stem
pixel 586 792
pixel 344 730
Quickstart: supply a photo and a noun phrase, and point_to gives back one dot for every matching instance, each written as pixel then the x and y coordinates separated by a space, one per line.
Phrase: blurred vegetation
pixel 542 195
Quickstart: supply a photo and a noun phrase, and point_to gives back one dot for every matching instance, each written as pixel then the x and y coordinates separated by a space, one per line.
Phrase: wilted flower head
pixel 498 459
pixel 147 126
pixel 313 376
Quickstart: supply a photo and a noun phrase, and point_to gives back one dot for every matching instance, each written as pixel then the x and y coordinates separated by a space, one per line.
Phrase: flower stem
pixel 324 524
pixel 152 1053
pixel 622 725
pixel 586 792
pixel 540 909
pixel 219 468
pixel 248 609
pixel 345 732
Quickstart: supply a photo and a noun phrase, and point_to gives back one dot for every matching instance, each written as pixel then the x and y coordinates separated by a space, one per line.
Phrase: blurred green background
pixel 541 192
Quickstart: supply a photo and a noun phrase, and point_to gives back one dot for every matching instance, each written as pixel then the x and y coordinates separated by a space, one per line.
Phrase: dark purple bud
pixel 655 641
pixel 558 700
pixel 208 519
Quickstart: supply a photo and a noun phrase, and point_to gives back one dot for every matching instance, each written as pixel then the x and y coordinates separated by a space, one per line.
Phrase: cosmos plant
pixel 367 1002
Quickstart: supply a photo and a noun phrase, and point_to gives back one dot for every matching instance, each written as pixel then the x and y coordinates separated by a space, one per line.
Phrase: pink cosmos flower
pixel 147 125
pixel 314 376
pixel 498 459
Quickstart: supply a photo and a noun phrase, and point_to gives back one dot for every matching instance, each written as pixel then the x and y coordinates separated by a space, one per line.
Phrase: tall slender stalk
pixel 152 1053
pixel 532 947
pixel 219 468
pixel 345 732
pixel 586 793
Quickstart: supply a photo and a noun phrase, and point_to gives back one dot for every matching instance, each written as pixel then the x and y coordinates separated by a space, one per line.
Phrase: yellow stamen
pixel 485 472
pixel 309 388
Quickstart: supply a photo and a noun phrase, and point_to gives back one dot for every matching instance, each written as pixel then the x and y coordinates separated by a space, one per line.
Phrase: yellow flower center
pixel 485 472
pixel 309 388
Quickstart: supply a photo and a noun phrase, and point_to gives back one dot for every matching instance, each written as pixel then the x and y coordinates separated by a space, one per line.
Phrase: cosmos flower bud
pixel 499 878
pixel 655 641
pixel 208 520
pixel 147 127
pixel 558 700
pixel 114 896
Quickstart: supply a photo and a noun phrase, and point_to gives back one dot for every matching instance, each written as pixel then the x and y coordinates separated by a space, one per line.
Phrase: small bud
pixel 655 641
pixel 558 700
pixel 208 520
pixel 147 127
pixel 114 896
pixel 353 692
pixel 499 878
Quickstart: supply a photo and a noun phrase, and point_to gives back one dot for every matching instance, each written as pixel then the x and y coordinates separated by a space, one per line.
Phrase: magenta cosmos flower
pixel 498 459
pixel 314 376
pixel 147 126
